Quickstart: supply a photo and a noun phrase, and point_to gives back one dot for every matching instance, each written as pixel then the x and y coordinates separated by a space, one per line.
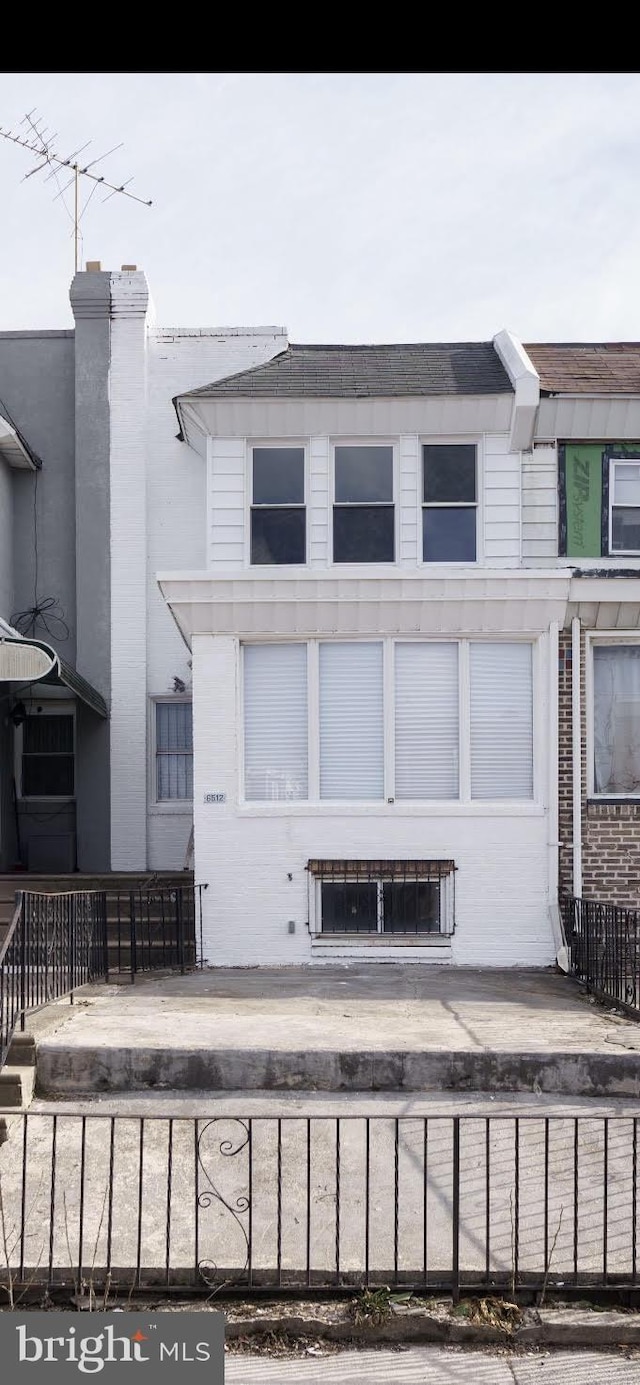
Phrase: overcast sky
pixel 345 206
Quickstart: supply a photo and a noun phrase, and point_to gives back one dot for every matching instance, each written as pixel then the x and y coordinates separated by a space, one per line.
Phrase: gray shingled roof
pixel 361 372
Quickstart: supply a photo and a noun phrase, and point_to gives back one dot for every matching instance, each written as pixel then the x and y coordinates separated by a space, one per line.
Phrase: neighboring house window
pixel 363 512
pixel 402 720
pixel 624 507
pixel 278 518
pixel 616 720
pixel 400 896
pixel 48 755
pixel 174 751
pixel 449 511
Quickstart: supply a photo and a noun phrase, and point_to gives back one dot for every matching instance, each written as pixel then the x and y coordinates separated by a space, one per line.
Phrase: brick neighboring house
pixel 590 412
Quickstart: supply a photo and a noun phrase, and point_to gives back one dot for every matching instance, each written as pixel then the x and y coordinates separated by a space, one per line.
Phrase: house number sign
pixel 215 798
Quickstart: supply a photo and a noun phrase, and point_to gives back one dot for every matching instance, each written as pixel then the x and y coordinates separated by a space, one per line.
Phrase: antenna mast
pixel 36 139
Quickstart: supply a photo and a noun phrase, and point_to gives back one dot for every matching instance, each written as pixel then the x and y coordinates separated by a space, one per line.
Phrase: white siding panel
pixel 408 498
pixel 501 496
pixel 227 473
pixel 318 502
pixel 539 504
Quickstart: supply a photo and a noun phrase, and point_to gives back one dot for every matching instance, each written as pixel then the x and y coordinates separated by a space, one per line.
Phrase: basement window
pixel 356 898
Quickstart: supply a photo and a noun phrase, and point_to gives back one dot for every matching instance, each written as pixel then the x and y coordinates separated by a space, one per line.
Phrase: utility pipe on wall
pixel 576 756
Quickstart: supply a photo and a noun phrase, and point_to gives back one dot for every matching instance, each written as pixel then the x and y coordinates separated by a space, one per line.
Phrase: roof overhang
pixel 30 661
pixel 308 604
pixel 14 449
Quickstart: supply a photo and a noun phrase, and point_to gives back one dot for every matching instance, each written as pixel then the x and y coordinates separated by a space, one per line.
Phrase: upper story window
pixel 624 506
pixel 450 503
pixel 278 517
pixel 363 511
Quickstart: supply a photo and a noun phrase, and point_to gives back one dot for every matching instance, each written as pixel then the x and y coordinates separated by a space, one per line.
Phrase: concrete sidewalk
pixel 363 1028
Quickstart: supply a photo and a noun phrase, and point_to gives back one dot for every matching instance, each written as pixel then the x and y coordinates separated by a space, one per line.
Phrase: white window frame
pixel 164 805
pixel 447 914
pixel 50 707
pixel 298 444
pixel 424 807
pixel 393 443
pixel 629 459
pixel 611 638
pixel 439 441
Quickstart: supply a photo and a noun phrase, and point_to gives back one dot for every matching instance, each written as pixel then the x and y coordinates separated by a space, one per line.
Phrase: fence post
pixel 73 938
pixel 101 903
pixel 455 1213
pixel 133 960
pixel 23 961
pixel 180 927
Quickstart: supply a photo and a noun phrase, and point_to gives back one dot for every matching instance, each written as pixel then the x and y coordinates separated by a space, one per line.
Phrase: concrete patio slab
pixel 358 1028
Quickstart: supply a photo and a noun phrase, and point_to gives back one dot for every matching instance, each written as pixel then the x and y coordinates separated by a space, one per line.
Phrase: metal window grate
pixel 388 897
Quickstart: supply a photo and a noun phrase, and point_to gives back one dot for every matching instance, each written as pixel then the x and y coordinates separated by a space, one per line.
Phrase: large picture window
pixel 449 510
pixel 389 719
pixel 278 517
pixel 616 720
pixel 363 513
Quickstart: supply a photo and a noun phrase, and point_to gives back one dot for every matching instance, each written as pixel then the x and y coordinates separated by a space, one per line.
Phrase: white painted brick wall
pixel 127 403
pixel 177 521
pixel 6 541
pixel 247 857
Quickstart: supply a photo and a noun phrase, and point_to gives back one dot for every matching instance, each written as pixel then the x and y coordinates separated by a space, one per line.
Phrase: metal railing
pixel 603 941
pixel 251 1204
pixel 57 942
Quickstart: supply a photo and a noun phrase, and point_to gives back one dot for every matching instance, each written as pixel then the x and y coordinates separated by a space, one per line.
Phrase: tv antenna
pixel 39 142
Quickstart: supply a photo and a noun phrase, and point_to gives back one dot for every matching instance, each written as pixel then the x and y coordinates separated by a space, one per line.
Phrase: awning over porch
pixel 31 661
pixel 15 449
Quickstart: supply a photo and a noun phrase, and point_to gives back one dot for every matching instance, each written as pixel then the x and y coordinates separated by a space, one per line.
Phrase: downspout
pixel 553 836
pixel 576 756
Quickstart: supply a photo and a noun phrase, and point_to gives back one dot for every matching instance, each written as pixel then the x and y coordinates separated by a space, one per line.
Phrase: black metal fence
pixel 603 941
pixel 435 1203
pixel 57 942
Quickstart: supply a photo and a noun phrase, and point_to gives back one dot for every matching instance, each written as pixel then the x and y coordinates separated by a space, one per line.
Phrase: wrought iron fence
pixel 603 941
pixel 55 943
pixel 251 1204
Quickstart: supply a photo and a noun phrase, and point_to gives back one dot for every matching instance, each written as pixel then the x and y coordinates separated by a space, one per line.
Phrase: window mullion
pixel 313 712
pixel 464 706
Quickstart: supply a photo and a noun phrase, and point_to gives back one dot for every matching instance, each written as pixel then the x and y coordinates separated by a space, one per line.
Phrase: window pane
pixel 278 536
pixel 625 530
pixel 449 536
pixel 501 720
pixel 278 476
pixel 52 735
pixel 449 472
pixel 364 474
pixel 47 776
pixel 275 721
pixel 616 718
pixel 351 721
pixel 175 777
pixel 363 534
pixel 426 682
pixel 174 726
pixel 411 907
pixel 626 484
pixel 349 907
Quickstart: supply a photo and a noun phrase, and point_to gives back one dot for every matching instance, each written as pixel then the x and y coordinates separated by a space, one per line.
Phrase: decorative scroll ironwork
pixel 209 1268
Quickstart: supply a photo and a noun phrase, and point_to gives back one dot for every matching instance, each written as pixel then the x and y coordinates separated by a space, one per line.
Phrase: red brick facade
pixel 610 831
